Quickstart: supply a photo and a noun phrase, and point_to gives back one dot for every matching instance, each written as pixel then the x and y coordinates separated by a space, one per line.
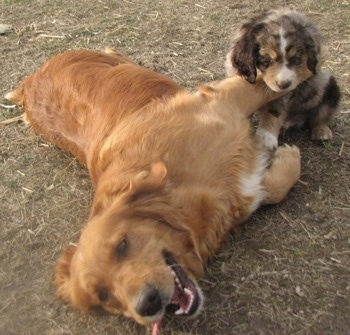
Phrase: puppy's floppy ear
pixel 312 55
pixel 313 46
pixel 245 50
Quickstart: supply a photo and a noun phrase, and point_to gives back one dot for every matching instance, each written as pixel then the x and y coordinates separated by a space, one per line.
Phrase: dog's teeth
pixel 180 311
pixel 178 283
pixel 188 292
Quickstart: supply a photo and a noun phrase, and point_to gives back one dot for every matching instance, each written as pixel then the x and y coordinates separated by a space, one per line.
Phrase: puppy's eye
pixel 264 61
pixel 103 295
pixel 297 58
pixel 122 248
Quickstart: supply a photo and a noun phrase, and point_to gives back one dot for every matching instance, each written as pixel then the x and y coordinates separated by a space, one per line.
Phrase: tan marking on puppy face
pixel 282 62
pixel 292 51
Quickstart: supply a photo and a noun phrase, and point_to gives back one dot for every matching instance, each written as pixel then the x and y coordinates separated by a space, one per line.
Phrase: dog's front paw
pixel 287 151
pixel 321 133
pixel 289 159
pixel 269 140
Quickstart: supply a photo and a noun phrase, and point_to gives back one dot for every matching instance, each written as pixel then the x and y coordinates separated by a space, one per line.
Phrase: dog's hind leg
pixel 326 111
pixel 283 173
pixel 37 117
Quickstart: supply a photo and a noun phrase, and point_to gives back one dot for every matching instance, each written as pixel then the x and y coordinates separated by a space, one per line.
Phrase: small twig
pixel 14 119
pixel 51 36
pixel 341 149
pixel 303 182
pixel 27 189
pixel 20 172
pixel 340 252
pixel 206 72
pixel 64 169
pixel 342 208
pixel 290 221
pixel 7 106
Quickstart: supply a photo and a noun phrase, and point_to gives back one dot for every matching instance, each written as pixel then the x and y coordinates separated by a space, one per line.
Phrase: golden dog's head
pixel 136 257
pixel 284 45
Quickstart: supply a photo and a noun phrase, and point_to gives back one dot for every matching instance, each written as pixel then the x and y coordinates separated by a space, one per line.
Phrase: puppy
pixel 173 172
pixel 285 47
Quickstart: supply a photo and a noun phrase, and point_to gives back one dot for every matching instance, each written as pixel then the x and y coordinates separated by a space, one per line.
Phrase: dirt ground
pixel 287 271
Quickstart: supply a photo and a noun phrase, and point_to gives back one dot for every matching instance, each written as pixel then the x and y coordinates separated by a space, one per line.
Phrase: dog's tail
pixel 16 96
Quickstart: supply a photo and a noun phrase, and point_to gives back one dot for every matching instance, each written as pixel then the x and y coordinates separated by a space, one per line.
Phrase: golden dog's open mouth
pixel 187 297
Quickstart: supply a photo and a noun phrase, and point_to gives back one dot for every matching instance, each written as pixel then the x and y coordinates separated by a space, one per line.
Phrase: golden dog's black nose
pixel 150 302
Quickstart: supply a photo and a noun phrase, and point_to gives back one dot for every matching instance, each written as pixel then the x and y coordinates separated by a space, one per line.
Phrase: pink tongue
pixel 156 327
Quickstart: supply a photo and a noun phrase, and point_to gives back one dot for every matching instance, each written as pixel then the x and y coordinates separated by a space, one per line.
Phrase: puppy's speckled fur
pixel 285 47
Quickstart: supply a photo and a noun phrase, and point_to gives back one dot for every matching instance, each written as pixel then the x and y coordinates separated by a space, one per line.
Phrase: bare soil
pixel 287 271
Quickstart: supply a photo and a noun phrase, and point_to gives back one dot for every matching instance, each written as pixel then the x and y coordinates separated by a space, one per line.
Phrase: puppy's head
pixel 283 45
pixel 135 258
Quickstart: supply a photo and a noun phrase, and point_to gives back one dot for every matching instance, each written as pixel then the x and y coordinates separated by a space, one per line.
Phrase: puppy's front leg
pixel 269 127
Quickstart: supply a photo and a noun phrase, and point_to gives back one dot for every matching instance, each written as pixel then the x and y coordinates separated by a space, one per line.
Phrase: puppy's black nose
pixel 284 84
pixel 150 302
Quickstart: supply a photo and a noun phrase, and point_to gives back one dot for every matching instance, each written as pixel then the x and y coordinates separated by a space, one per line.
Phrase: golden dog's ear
pixel 141 185
pixel 155 176
pixel 147 182
pixel 63 274
pixel 68 287
pixel 207 91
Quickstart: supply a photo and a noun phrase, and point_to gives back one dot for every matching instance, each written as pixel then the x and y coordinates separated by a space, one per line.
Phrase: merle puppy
pixel 285 47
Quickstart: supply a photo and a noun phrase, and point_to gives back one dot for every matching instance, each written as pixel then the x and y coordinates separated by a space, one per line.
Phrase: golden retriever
pixel 173 172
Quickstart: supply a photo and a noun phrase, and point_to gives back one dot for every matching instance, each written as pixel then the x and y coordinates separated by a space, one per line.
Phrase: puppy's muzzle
pixel 283 84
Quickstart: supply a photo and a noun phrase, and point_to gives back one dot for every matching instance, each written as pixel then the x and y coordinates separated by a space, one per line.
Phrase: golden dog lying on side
pixel 173 172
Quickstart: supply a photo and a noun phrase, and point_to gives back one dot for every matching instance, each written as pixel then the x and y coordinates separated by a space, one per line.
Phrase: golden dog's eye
pixel 103 294
pixel 122 249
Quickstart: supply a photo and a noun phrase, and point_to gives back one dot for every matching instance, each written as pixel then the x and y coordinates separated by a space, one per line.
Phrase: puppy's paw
pixel 321 133
pixel 269 140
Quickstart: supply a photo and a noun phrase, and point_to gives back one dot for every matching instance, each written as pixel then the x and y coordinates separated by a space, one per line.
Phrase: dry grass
pixel 285 272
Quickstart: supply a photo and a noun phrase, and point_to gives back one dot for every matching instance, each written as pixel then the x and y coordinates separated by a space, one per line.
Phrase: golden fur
pixel 173 172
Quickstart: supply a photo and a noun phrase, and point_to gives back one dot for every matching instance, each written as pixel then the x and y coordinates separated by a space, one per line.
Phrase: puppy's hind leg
pixel 283 173
pixel 320 130
pixel 327 109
